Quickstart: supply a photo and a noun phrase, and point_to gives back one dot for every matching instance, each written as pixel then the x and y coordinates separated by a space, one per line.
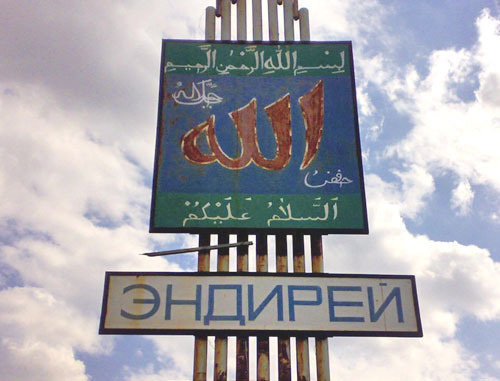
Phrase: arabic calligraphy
pixel 245 121
pixel 197 96
pixel 337 179
pixel 286 213
pixel 215 219
pixel 228 211
pixel 255 61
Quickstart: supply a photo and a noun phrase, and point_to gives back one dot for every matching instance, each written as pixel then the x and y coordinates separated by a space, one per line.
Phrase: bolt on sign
pixel 258 137
pixel 246 303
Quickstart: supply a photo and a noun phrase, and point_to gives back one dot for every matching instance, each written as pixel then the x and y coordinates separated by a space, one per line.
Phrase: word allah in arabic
pixel 245 121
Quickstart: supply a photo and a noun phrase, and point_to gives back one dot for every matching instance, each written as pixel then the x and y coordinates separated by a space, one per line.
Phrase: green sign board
pixel 258 137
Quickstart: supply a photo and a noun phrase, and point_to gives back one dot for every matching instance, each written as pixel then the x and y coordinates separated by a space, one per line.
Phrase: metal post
pixel 305 34
pixel 291 13
pixel 322 344
pixel 220 368
pixel 226 20
pixel 272 9
pixel 242 252
pixel 218 8
pixel 288 20
pixel 296 15
pixel 200 342
pixel 242 20
pixel 302 344
pixel 322 358
pixel 210 24
pixel 262 341
pixel 257 19
pixel 242 360
pixel 284 363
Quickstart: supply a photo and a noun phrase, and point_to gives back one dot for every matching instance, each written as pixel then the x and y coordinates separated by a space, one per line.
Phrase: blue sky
pixel 78 104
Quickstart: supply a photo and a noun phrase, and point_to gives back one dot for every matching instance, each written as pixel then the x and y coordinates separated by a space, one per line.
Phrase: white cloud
pixel 417 185
pixel 396 359
pixel 453 281
pixel 450 134
pixel 78 101
pixel 45 362
pixel 150 374
pixel 462 198
pixel 340 21
pixel 488 56
pixel 496 364
pixel 73 208
pixel 40 335
pixel 451 277
pixel 97 60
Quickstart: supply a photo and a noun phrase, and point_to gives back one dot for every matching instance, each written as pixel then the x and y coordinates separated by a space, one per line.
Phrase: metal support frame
pixel 257 19
pixel 220 367
pixel 225 20
pixel 322 355
pixel 242 354
pixel 200 342
pixel 262 341
pixel 291 13
pixel 272 9
pixel 301 343
pixel 210 14
pixel 288 20
pixel 284 358
pixel 242 19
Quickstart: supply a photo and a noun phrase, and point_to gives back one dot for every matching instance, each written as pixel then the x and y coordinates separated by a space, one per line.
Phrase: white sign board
pixel 236 303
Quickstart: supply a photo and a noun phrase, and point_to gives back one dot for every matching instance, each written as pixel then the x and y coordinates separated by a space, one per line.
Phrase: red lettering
pixel 312 105
pixel 245 122
pixel 189 147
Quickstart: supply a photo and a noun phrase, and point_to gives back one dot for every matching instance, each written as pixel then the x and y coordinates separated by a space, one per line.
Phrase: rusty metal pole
pixel 305 32
pixel 262 341
pixel 200 342
pixel 242 360
pixel 296 15
pixel 210 24
pixel 291 13
pixel 302 344
pixel 257 19
pixel 272 13
pixel 288 20
pixel 284 362
pixel 322 358
pixel 218 8
pixel 225 6
pixel 220 368
pixel 241 9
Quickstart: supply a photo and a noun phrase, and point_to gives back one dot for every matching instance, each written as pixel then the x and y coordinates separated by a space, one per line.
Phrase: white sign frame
pixel 257 303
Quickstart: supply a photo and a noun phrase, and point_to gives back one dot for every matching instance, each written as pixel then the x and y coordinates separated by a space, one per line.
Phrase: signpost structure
pixel 259 138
